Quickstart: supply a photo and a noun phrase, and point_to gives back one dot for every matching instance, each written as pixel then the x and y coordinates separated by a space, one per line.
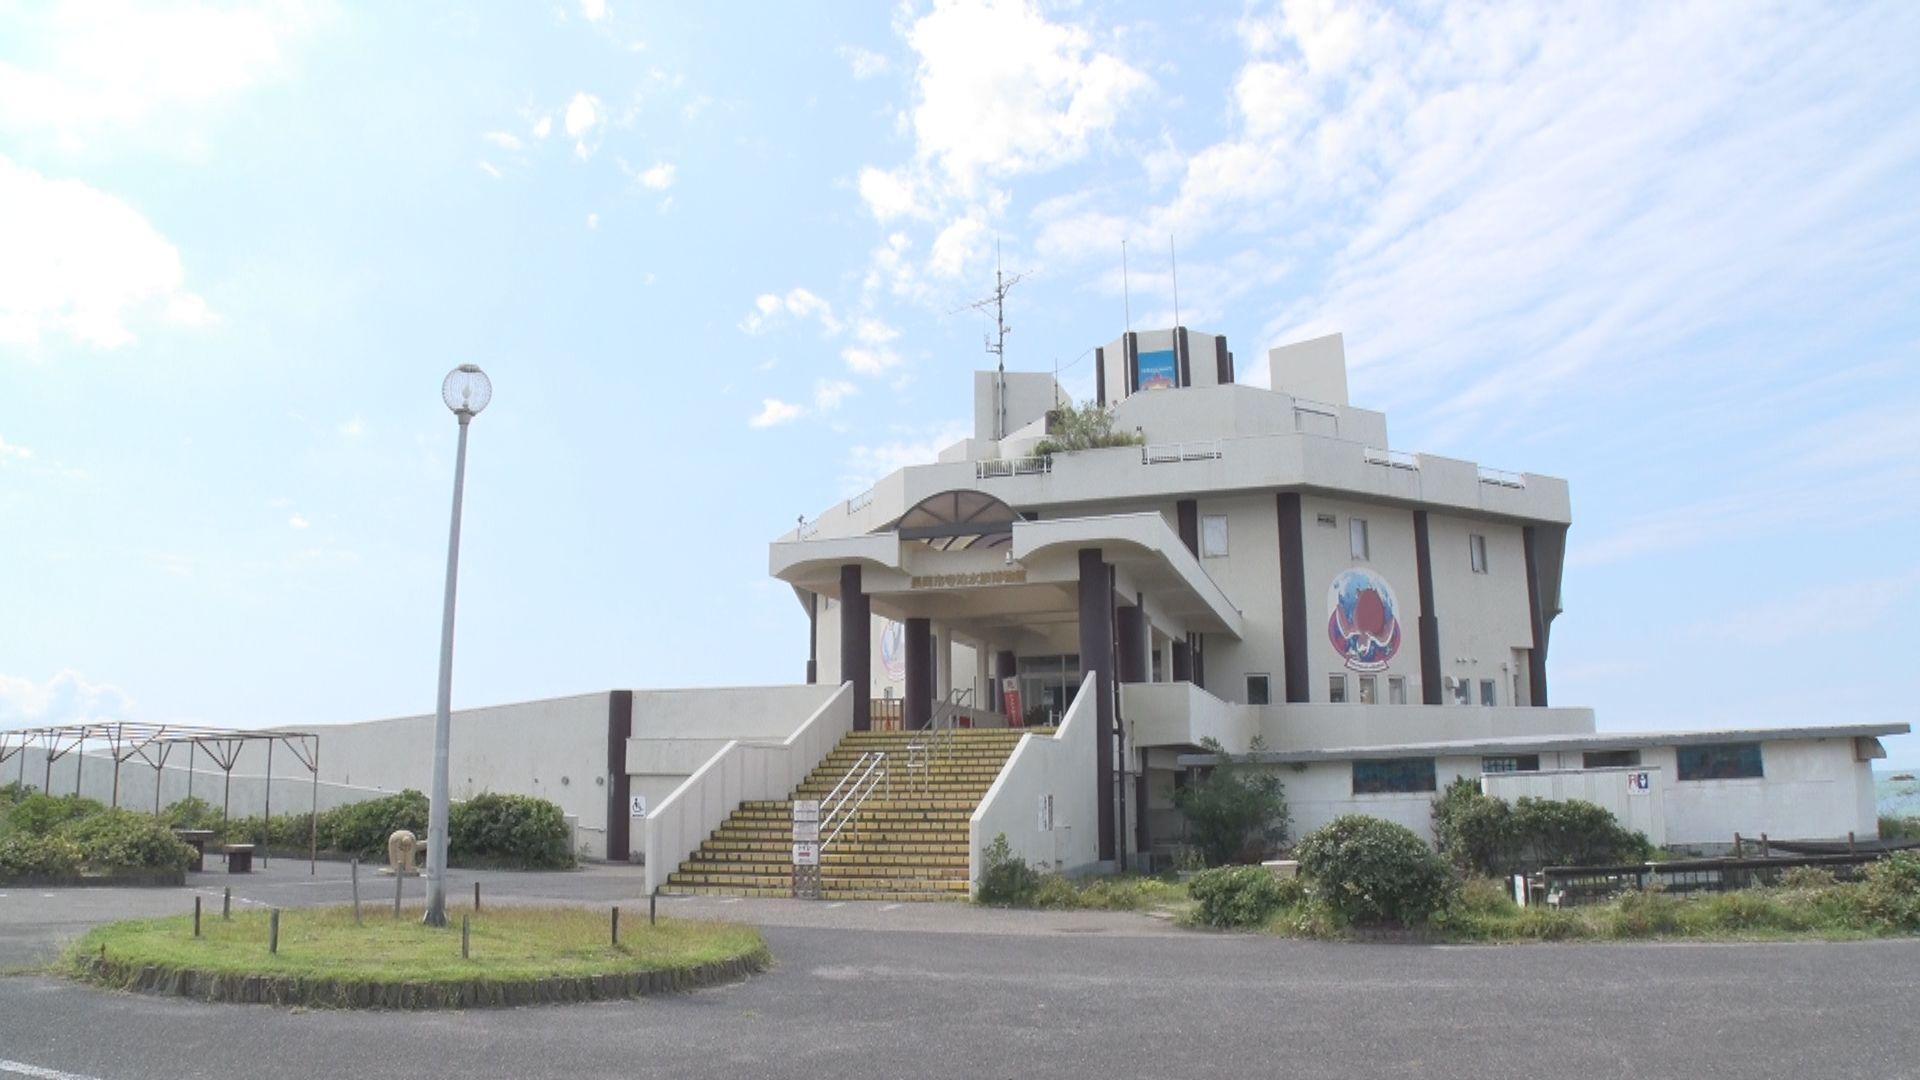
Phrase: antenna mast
pixel 997 342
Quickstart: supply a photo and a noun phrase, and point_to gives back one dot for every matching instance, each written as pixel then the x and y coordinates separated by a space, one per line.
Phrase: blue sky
pixel 1666 251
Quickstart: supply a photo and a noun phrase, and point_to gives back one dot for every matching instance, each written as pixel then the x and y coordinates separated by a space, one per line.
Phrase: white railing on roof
pixel 1321 408
pixel 1394 459
pixel 807 528
pixel 1163 453
pixel 860 502
pixel 1021 466
pixel 1502 478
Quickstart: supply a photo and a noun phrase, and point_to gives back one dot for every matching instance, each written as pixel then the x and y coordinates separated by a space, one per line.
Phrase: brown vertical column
pixel 1182 661
pixel 919 703
pixel 1222 361
pixel 1536 656
pixel 856 645
pixel 1100 377
pixel 619 784
pixel 1131 632
pixel 1181 363
pixel 813 638
pixel 1187 512
pixel 1199 649
pixel 1431 691
pixel 1293 598
pixel 1096 658
pixel 1133 362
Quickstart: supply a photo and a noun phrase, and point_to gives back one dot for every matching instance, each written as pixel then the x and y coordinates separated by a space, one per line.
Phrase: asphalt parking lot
pixel 876 990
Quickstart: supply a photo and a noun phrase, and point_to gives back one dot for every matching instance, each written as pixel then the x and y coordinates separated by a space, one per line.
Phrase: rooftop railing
pixel 1022 466
pixel 1393 459
pixel 860 502
pixel 1164 453
pixel 1502 478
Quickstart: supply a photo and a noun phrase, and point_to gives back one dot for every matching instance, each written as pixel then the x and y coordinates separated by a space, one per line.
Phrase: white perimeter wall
pixel 1059 765
pixel 675 732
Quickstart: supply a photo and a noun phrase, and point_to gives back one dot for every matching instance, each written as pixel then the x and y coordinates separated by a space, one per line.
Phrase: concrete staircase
pixel 911 845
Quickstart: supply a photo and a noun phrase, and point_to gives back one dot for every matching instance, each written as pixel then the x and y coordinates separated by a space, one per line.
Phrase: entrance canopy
pixel 958 520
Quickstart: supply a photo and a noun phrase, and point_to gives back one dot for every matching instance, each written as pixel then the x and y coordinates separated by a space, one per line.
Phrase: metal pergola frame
pixel 153 743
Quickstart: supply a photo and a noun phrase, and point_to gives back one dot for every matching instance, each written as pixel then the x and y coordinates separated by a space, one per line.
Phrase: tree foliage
pixel 1087 427
pixel 1237 812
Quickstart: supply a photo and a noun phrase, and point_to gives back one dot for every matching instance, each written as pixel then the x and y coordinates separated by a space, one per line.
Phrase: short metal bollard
pixel 653 903
pixel 226 902
pixel 196 916
pixel 356 892
pixel 476 896
pixel 616 926
pixel 399 880
pixel 273 931
pixel 465 954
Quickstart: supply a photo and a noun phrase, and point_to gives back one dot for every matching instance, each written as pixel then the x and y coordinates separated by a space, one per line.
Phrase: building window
pixel 1487 696
pixel 1258 692
pixel 1357 537
pixel 1327 520
pixel 1396 689
pixel 1399 777
pixel 1213 535
pixel 1610 759
pixel 1477 552
pixel 1514 763
pixel 1369 690
pixel 1729 761
pixel 1462 692
pixel 1337 689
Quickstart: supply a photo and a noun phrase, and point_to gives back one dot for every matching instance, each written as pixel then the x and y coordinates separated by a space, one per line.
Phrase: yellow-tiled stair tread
pixel 909 843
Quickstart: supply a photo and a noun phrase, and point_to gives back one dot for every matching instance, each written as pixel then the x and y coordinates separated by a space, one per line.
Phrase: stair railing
pixel 937 737
pixel 842 805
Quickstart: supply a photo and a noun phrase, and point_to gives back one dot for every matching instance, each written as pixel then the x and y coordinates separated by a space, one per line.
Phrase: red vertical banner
pixel 1012 699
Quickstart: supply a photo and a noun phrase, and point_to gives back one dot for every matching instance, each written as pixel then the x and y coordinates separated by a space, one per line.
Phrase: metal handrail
pixel 1166 453
pixel 866 776
pixel 1393 459
pixel 1036 465
pixel 923 755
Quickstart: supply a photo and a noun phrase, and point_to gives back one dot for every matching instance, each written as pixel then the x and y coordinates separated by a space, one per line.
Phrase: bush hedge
pixel 41 815
pixel 23 854
pixel 1240 896
pixel 517 829
pixel 1481 834
pixel 1372 871
pixel 507 830
pixel 124 840
pixel 1005 878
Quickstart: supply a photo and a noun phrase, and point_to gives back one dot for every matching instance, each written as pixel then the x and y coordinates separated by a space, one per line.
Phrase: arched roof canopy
pixel 958 520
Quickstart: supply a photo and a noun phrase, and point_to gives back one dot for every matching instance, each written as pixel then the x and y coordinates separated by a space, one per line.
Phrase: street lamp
pixel 466 391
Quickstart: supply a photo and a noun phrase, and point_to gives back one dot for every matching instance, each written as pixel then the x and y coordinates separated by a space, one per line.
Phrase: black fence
pixel 1570 885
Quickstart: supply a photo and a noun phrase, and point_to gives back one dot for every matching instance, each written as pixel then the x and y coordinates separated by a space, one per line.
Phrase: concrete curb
pixel 326 993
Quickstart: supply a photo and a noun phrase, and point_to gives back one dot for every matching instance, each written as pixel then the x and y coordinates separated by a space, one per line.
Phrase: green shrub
pixel 517 829
pixel 1647 913
pixel 13 792
pixel 40 814
pixel 1006 880
pixel 1238 811
pixel 124 840
pixel 24 854
pixel 1372 871
pixel 1889 891
pixel 362 828
pixel 1481 834
pixel 285 832
pixel 1895 827
pixel 191 812
pixel 1807 877
pixel 1238 896
pixel 1088 427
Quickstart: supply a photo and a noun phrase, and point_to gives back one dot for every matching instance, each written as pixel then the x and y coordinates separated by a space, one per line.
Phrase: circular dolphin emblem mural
pixel 893 650
pixel 1363 619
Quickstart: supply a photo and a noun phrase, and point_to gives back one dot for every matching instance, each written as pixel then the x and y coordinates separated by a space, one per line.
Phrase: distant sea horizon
pixel 1897 798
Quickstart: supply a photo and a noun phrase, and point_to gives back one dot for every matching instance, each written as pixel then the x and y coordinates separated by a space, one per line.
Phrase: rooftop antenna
pixel 997 342
pixel 1126 293
pixel 1173 255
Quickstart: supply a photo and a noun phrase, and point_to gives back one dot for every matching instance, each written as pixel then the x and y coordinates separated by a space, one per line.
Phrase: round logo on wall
pixel 1363 619
pixel 893 650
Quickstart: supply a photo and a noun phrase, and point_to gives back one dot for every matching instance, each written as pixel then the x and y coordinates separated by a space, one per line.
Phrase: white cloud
pixel 890 194
pixel 1001 90
pixel 79 263
pixel 543 127
pixel 774 412
pixel 829 393
pixel 593 10
pixel 1811 612
pixel 868 463
pixel 959 246
pixel 502 139
pixel 584 116
pixel 770 308
pixel 98 66
pixel 67 698
pixel 11 452
pixel 864 63
pixel 870 361
pixel 489 168
pixel 298 521
pixel 658 178
pixel 593 221
pixel 353 428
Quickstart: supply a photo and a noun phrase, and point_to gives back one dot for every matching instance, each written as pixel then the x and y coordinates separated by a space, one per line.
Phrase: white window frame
pixel 1264 677
pixel 1369 690
pixel 1489 691
pixel 1359 544
pixel 1477 552
pixel 1463 691
pixel 1209 549
pixel 1396 689
pixel 1337 689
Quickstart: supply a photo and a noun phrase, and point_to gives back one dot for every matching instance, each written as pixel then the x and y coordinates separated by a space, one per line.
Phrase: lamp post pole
pixel 466 391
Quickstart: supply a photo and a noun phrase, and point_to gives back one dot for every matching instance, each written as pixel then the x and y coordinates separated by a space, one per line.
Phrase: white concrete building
pixel 1261 569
